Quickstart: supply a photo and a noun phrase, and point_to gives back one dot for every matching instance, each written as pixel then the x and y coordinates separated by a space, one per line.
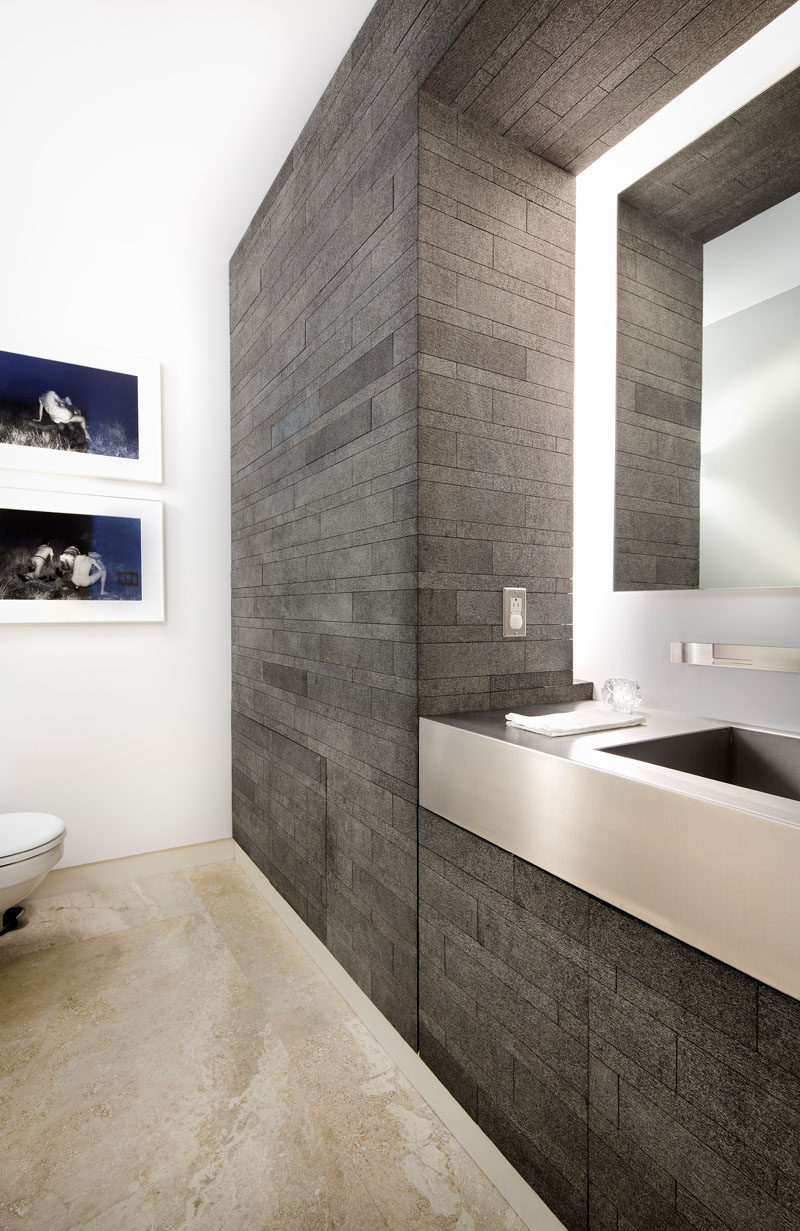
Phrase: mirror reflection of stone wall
pixel 741 168
pixel 659 349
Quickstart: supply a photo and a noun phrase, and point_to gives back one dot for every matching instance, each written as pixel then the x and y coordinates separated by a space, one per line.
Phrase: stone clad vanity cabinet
pixel 635 1080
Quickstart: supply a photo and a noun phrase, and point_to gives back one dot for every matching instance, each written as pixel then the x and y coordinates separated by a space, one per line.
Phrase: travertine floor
pixel 170 1057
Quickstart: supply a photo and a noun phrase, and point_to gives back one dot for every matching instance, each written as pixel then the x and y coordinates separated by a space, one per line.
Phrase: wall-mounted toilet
pixel 31 843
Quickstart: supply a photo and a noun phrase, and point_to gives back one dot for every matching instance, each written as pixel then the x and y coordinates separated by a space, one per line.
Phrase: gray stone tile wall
pixel 504 1003
pixel 738 169
pixel 570 80
pixel 496 257
pixel 659 372
pixel 324 470
pixel 638 1084
pixel 381 255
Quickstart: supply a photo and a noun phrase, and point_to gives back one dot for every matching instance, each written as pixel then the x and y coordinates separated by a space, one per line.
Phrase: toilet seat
pixel 24 835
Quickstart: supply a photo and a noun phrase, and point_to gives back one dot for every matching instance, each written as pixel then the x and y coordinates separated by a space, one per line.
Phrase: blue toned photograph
pixel 69 557
pixel 47 404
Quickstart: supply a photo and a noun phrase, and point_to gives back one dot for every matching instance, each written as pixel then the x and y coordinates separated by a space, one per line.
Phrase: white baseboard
pixel 506 1179
pixel 132 867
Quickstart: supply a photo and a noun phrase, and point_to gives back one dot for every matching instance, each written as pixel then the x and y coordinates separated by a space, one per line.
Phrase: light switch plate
pixel 515 616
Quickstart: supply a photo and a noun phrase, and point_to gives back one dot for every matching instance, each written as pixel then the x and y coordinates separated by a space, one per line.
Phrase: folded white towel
pixel 574 722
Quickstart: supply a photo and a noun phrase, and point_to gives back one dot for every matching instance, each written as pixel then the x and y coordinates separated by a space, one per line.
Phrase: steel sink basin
pixel 765 761
pixel 690 824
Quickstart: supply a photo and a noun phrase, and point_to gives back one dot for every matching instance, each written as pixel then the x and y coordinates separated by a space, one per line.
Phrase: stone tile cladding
pixel 326 289
pixel 326 438
pixel 569 80
pixel 496 314
pixel 324 466
pixel 714 184
pixel 636 1083
pixel 659 371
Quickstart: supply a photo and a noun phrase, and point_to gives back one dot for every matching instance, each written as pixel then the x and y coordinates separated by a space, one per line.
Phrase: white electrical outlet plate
pixel 515 617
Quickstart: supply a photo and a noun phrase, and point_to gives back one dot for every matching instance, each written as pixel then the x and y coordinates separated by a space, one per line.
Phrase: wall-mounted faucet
pixel 717 654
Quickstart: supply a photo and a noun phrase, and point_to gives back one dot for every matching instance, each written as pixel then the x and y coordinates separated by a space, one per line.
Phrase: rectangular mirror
pixel 708 359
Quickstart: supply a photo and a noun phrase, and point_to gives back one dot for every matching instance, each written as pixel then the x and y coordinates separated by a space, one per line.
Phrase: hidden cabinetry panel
pixel 635 1082
pixel 504 984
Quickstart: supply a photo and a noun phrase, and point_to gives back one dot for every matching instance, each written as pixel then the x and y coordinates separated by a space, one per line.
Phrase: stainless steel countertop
pixel 715 865
pixel 589 749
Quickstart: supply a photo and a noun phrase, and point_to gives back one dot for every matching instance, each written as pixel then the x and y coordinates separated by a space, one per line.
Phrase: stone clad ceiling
pixel 570 79
pixel 748 163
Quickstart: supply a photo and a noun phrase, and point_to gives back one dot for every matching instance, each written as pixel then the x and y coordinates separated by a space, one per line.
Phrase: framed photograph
pixel 75 559
pixel 90 414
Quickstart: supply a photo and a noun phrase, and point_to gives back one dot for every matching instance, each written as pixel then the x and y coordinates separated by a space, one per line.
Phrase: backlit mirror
pixel 708 359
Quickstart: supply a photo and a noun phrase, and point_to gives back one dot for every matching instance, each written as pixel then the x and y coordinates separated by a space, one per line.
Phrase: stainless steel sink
pixel 760 760
pixel 689 824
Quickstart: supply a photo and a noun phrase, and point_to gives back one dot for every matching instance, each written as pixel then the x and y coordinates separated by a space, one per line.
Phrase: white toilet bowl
pixel 31 843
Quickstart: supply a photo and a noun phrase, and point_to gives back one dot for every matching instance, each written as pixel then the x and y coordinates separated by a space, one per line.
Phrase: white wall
pixel 124 730
pixel 142 139
pixel 629 633
pixel 750 445
pixel 752 262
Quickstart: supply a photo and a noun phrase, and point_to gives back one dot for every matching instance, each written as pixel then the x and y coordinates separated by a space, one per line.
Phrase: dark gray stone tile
pixel 396 555
pixel 470 189
pixel 373 364
pixel 341 431
pixel 626 1181
pixel 385 607
pixel 604 1090
pixel 473 1044
pixel 603 1214
pixel 449 502
pixel 715 1183
pixel 485 862
pixel 649 1044
pixel 721 996
pixel 659 404
pixel 559 904
pixel 290 679
pixel 251 730
pixel 389 912
pixel 546 967
pixel 245 785
pixel 779 1029
pixel 445 899
pixel 344 562
pixel 768 1125
pixel 394 708
pixel 396 1002
pixel 566 1199
pixel 299 758
pixel 368 655
pixel 671 1108
pixel 455 1078
pixel 437 607
pixel 454 555
pixel 294 421
pixel 360 790
pixel 475 349
pixel 527 1032
pixel 354 928
pixel 551 1122
pixel 696 1213
pixel 459 661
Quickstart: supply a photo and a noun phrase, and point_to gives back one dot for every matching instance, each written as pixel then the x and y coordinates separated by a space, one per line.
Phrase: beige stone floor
pixel 170 1057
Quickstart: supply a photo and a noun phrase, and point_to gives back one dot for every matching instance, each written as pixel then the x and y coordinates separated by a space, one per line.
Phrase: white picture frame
pixel 117 397
pixel 119 549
